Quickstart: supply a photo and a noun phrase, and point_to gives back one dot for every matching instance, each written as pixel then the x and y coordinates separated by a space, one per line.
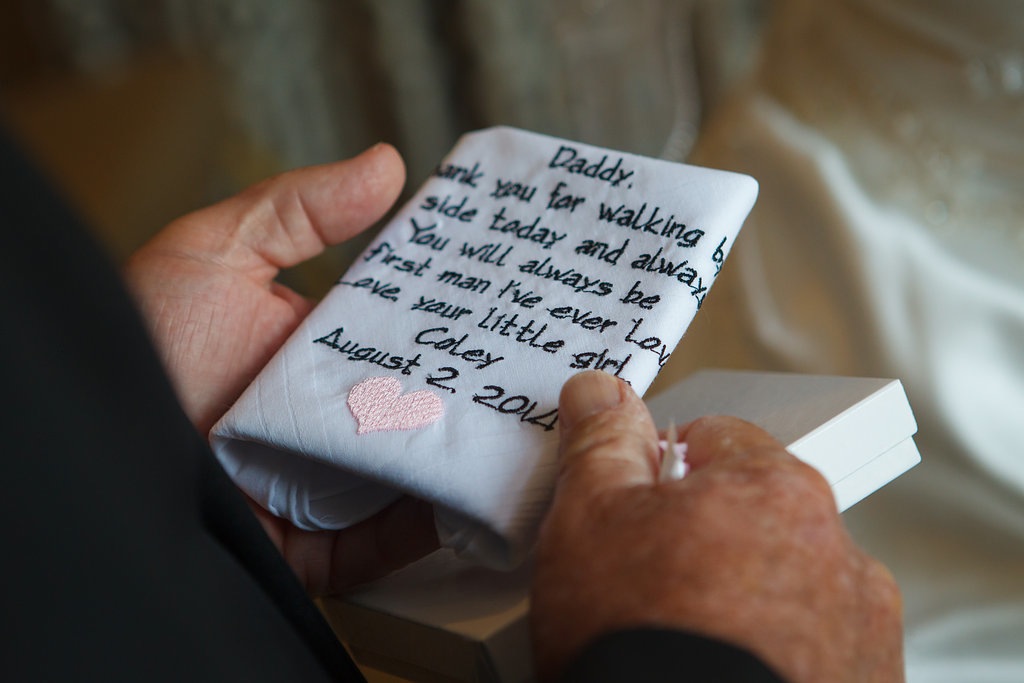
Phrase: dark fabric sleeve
pixel 127 553
pixel 657 655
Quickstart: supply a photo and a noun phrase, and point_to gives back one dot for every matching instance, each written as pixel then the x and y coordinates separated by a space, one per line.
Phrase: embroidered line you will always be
pixel 379 405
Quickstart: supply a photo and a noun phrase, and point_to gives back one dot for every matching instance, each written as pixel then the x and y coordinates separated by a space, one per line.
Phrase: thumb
pixel 608 439
pixel 291 217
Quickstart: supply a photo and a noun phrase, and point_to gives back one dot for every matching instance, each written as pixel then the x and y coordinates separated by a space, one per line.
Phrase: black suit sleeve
pixel 127 553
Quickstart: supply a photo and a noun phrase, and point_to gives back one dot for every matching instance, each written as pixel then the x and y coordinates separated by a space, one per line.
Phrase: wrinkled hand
pixel 206 287
pixel 747 548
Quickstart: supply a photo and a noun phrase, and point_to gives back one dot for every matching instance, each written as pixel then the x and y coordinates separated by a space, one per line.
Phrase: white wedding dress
pixel 888 240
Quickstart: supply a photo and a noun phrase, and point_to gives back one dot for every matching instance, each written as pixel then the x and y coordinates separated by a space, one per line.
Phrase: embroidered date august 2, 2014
pixel 494 398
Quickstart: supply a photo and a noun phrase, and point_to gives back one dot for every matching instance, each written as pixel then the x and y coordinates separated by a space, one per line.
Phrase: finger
pixel 722 437
pixel 292 217
pixel 401 533
pixel 730 441
pixel 608 439
pixel 329 562
pixel 302 306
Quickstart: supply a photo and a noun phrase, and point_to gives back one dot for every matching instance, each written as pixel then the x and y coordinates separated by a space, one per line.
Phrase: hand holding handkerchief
pixel 433 366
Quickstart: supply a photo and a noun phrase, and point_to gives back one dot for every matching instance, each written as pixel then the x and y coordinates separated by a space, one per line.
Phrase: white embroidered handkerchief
pixel 433 366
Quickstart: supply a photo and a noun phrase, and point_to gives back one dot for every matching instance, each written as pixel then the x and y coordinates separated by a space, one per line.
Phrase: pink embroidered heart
pixel 379 405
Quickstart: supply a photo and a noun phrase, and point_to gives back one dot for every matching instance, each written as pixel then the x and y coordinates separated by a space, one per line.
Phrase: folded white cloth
pixel 434 365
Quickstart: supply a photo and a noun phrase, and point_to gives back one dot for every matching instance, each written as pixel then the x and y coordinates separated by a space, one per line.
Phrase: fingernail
pixel 586 394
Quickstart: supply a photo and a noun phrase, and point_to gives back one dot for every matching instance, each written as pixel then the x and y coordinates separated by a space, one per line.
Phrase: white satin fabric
pixel 888 240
